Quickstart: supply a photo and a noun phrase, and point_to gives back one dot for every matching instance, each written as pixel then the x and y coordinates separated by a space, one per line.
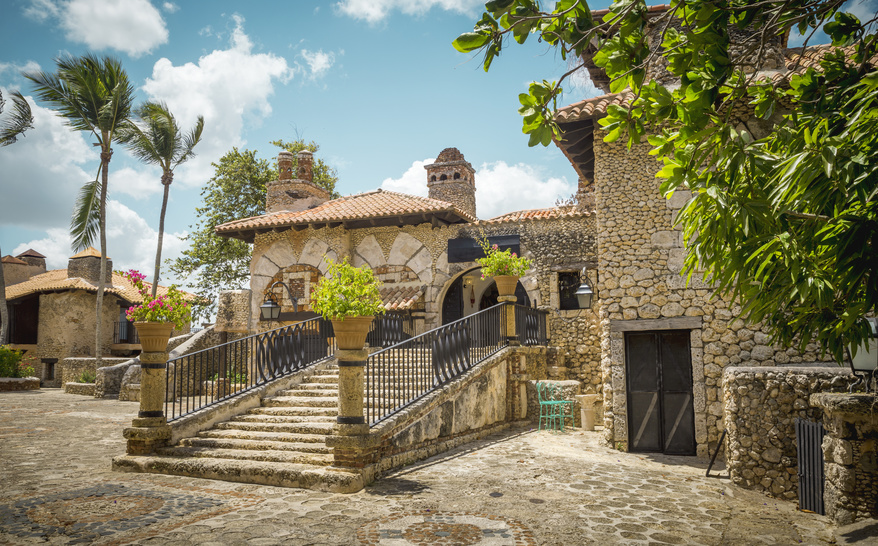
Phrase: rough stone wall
pixel 16 273
pixel 761 405
pixel 233 311
pixel 72 368
pixel 293 195
pixel 640 255
pixel 459 193
pixel 89 268
pixel 67 324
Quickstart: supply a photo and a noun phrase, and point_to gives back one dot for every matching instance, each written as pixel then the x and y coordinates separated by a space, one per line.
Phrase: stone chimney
pixel 22 267
pixel 294 194
pixel 453 180
pixel 87 265
pixel 32 257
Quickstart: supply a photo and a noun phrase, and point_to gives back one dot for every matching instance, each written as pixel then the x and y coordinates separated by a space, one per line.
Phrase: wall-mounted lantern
pixel 865 363
pixel 585 293
pixel 270 309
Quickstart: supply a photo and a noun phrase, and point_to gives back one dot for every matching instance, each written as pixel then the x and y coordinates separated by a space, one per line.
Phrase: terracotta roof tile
pixel 89 252
pixel 399 297
pixel 57 279
pixel 363 206
pixel 593 107
pixel 31 253
pixel 536 214
pixel 10 260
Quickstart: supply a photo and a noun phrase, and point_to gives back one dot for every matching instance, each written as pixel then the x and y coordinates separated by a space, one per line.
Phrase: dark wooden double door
pixel 659 383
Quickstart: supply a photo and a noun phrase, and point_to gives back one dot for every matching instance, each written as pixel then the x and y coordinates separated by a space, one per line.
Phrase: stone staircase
pixel 281 443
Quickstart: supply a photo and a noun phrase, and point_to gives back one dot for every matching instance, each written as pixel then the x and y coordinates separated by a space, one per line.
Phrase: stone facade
pixel 452 179
pixel 640 255
pixel 761 405
pixel 89 268
pixel 233 311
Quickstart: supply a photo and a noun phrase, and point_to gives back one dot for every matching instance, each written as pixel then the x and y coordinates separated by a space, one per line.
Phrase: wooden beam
pixel 644 325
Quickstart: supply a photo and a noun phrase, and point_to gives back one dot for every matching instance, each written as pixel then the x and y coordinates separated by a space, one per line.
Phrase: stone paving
pixel 521 487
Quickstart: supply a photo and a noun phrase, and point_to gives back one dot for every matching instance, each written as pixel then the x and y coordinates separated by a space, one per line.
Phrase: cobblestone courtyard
pixel 521 487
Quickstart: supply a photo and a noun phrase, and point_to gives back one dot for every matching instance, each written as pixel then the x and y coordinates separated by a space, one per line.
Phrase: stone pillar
pixel 305 168
pixel 511 332
pixel 352 446
pixel 150 429
pixel 850 452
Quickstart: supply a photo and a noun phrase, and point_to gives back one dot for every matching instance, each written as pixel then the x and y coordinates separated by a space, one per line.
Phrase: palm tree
pixel 93 94
pixel 14 125
pixel 156 139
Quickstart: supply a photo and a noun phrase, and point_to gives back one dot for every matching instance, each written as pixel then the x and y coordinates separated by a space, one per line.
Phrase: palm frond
pixel 86 218
pixel 17 122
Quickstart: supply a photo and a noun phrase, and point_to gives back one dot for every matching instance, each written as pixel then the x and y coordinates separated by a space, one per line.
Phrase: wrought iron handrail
pixel 399 375
pixel 530 324
pixel 203 378
pixel 391 328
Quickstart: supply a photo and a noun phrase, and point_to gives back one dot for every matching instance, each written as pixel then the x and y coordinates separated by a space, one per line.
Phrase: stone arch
pixel 411 252
pixel 457 176
pixel 300 279
pixel 433 178
pixel 368 252
pixel 443 177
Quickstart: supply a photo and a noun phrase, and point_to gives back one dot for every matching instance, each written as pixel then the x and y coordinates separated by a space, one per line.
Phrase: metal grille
pixel 809 450
pixel 531 325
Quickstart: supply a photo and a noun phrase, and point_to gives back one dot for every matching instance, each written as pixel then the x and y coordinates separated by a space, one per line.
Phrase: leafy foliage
pixel 15 124
pixel 784 214
pixel 13 363
pixel 347 291
pixel 237 190
pixel 501 262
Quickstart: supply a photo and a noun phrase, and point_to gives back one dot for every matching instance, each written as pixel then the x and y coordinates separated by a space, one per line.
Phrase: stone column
pixel 511 333
pixel 850 452
pixel 150 429
pixel 352 446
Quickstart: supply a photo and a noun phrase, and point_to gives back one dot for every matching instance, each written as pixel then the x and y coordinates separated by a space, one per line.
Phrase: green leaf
pixel 470 41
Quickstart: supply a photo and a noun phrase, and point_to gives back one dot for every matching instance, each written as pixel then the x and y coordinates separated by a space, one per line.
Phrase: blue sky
pixel 376 84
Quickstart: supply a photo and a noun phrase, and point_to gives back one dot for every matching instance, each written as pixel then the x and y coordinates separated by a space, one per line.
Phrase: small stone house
pixel 52 313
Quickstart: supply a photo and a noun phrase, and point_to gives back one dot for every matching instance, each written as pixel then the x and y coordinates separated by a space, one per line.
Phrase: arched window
pixel 433 178
pixel 443 177
pixel 457 176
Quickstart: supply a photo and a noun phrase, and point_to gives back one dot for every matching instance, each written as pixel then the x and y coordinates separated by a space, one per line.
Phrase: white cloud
pixel 500 188
pixel 131 243
pixel 374 11
pixel 133 26
pixel 412 182
pixel 170 7
pixel 318 62
pixel 137 184
pixel 228 87
pixel 12 73
pixel 43 172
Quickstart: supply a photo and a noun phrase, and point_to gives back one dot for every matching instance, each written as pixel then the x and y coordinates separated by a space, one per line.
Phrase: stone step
pixel 295 411
pixel 315 387
pixel 301 401
pixel 304 476
pixel 308 393
pixel 264 418
pixel 268 455
pixel 262 435
pixel 324 379
pixel 298 428
pixel 234 443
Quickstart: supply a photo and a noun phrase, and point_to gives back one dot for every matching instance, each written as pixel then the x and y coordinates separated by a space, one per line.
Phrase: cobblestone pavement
pixel 520 487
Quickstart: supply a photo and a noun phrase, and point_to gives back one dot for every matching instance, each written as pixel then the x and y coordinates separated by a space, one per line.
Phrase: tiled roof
pixel 10 260
pixel 89 252
pixel 57 280
pixel 399 297
pixel 31 253
pixel 797 60
pixel 536 214
pixel 353 211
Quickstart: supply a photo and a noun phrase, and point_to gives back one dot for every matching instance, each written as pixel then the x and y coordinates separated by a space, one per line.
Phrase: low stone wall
pixel 9 384
pixel 83 389
pixel 570 389
pixel 73 367
pixel 760 405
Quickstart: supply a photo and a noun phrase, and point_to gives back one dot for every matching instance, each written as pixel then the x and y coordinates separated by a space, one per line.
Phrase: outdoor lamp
pixel 585 293
pixel 866 362
pixel 270 309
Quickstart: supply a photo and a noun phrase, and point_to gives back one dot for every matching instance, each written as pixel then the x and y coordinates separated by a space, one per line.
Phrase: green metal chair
pixel 553 409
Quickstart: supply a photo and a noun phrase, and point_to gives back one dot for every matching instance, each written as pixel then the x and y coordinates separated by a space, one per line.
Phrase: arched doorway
pixel 468 294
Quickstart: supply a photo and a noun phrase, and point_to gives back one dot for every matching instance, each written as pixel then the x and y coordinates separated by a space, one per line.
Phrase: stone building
pixel 52 313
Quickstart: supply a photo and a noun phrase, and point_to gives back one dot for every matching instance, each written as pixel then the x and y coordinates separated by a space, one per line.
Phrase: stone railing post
pixel 509 309
pixel 850 453
pixel 352 446
pixel 150 429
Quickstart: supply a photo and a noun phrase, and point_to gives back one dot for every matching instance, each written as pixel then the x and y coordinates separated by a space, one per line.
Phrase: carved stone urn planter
pixel 506 284
pixel 350 333
pixel 154 336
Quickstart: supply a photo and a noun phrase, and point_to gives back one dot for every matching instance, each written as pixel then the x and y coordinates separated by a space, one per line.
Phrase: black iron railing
pixel 530 324
pixel 203 378
pixel 125 332
pixel 391 328
pixel 399 375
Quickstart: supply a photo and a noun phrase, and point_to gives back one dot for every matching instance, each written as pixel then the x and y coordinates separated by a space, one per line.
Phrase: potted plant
pixel 348 296
pixel 504 265
pixel 155 318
